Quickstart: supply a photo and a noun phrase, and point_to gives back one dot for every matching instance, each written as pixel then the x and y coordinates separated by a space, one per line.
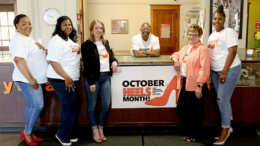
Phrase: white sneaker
pixel 74 139
pixel 63 142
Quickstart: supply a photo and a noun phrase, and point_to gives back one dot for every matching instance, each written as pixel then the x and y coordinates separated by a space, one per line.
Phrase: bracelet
pixel 223 73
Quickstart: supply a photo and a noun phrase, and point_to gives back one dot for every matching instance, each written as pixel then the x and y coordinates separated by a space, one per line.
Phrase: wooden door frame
pixel 248 6
pixel 81 8
pixel 168 7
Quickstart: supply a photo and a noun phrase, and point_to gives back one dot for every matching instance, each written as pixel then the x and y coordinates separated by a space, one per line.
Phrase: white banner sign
pixel 144 87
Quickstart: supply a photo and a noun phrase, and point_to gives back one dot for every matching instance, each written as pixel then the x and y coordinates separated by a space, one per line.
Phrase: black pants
pixel 191 110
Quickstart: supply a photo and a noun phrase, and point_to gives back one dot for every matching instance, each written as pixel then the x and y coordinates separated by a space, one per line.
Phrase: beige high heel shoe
pixel 103 138
pixel 230 130
pixel 96 140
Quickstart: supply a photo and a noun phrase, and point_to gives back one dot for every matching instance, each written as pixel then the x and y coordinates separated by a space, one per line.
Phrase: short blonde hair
pixel 91 31
pixel 193 28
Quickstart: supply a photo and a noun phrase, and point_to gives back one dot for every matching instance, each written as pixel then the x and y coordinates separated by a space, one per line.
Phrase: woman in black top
pixel 99 63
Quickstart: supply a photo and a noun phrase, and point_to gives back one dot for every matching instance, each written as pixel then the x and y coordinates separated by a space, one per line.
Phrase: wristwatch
pixel 199 86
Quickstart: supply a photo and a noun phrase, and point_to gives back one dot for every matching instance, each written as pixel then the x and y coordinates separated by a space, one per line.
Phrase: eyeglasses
pixel 146 29
pixel 192 35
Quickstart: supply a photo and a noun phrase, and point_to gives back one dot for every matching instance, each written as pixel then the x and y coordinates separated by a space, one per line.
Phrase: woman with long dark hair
pixel 63 73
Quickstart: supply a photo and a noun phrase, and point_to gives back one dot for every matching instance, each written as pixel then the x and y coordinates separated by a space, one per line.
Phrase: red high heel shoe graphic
pixel 27 142
pixel 163 100
pixel 151 49
pixel 214 44
pixel 106 55
pixel 102 53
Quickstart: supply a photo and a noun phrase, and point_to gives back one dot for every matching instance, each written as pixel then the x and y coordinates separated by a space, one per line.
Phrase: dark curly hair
pixel 221 11
pixel 17 19
pixel 73 35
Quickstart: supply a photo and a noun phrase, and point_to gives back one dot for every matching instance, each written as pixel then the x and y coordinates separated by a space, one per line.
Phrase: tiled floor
pixel 174 139
pixel 9 139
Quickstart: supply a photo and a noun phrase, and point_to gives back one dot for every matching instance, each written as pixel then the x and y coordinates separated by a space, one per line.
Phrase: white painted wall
pixel 86 19
pixel 35 9
pixel 242 42
pixel 206 4
pixel 136 11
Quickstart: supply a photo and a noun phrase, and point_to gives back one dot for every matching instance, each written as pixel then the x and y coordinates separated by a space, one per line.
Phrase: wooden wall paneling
pixel 211 112
pixel 245 105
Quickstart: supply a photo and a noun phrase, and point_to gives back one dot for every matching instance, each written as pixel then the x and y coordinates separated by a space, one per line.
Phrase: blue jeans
pixel 224 92
pixel 69 110
pixel 34 104
pixel 103 88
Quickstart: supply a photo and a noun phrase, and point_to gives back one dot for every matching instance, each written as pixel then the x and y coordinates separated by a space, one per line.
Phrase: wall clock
pixel 51 15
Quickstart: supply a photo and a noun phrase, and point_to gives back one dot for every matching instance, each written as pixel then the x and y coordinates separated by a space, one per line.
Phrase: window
pixel 7 29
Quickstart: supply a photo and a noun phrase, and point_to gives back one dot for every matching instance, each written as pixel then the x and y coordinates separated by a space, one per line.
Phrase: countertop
pixel 244 59
pixel 163 59
pixel 129 60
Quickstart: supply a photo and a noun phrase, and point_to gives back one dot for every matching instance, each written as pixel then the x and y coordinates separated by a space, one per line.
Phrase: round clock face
pixel 51 16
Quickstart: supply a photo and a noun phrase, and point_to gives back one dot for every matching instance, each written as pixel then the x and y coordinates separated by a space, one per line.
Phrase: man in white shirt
pixel 145 44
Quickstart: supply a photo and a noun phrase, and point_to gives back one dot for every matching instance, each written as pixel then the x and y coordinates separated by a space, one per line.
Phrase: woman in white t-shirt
pixel 30 65
pixel 63 73
pixel 225 69
pixel 99 63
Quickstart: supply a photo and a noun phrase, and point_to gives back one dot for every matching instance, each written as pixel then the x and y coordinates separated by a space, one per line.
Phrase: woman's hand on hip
pixel 114 66
pixel 34 84
pixel 198 92
pixel 69 84
pixel 223 78
pixel 92 88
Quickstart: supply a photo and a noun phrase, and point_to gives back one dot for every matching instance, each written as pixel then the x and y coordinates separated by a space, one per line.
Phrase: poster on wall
pixel 144 87
pixel 165 31
pixel 234 14
pixel 119 26
pixel 257 24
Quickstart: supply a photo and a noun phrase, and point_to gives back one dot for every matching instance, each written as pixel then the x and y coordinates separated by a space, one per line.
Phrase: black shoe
pixel 65 143
pixel 73 139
